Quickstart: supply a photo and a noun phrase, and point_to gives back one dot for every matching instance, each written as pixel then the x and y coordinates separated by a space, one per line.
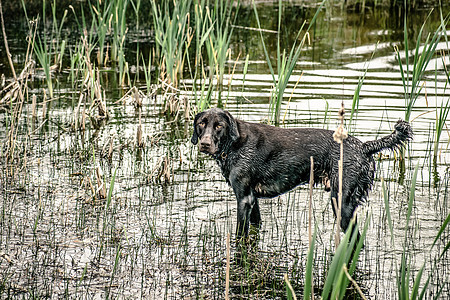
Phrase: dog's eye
pixel 202 124
pixel 219 126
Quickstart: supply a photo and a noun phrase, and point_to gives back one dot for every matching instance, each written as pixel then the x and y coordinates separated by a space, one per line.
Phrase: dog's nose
pixel 205 143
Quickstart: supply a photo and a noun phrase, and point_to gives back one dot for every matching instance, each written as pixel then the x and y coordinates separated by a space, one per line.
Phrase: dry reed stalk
pixel 137 100
pixel 18 107
pixel 101 105
pixel 94 88
pixel 33 107
pixel 89 185
pixel 83 116
pixel 77 112
pixel 140 141
pixel 168 169
pixel 163 171
pixel 286 279
pixel 11 91
pixel 44 106
pixel 187 108
pixel 111 149
pixel 339 136
pixel 101 188
pixel 355 284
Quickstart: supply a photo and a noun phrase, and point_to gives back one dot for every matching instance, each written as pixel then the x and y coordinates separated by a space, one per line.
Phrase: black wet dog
pixel 263 161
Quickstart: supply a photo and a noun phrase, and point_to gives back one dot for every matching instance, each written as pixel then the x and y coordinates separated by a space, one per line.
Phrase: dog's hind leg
pixel 347 210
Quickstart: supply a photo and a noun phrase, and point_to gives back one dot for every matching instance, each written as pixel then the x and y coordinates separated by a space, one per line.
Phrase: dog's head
pixel 214 128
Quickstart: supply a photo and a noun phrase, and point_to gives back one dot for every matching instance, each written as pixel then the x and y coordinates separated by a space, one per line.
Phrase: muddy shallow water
pixel 162 232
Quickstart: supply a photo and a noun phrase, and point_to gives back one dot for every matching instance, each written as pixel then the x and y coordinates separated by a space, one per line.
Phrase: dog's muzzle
pixel 207 145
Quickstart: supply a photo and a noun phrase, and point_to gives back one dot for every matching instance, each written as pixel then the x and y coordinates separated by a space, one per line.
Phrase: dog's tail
pixel 402 134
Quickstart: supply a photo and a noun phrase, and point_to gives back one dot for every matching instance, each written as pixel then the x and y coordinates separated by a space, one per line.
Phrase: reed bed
pixel 102 195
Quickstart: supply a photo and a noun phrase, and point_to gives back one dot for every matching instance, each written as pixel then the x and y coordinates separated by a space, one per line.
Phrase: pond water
pixel 162 233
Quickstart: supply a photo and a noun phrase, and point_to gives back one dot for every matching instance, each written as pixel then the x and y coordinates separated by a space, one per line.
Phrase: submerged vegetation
pixel 103 196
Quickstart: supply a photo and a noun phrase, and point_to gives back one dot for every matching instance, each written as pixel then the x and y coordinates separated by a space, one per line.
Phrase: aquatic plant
pixel 218 43
pixel 342 267
pixel 148 73
pixel 203 28
pixel 285 62
pixel 109 19
pixel 441 118
pixel 47 47
pixel 422 55
pixel 172 37
pixel 43 55
pixel 244 72
pixel 405 275
pixel 102 17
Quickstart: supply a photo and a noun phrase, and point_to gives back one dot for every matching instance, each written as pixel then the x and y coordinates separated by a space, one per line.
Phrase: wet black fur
pixel 263 161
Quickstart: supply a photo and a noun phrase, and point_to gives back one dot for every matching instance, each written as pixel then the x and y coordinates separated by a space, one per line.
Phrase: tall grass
pixel 409 285
pixel 218 44
pixel 441 118
pixel 213 31
pixel 102 17
pixel 109 20
pixel 342 267
pixel 203 28
pixel 148 73
pixel 442 112
pixel 412 78
pixel 286 62
pixel 49 50
pixel 172 36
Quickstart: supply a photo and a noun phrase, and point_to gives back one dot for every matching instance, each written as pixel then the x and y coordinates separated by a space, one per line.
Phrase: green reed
pixel 49 50
pixel 44 57
pixel 172 37
pixel 203 29
pixel 148 73
pixel 387 209
pixel 120 32
pixel 342 267
pixel 244 73
pixel 405 276
pixel 404 273
pixel 442 113
pixel 441 118
pixel 423 53
pixel 102 17
pixel 218 44
pixel 308 291
pixel 286 62
pixel 202 97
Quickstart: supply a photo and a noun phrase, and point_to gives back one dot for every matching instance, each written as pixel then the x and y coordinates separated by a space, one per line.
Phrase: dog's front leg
pixel 255 215
pixel 245 204
pixel 245 201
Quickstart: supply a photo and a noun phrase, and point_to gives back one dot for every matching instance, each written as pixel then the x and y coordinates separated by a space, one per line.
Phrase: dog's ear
pixel 234 131
pixel 194 139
